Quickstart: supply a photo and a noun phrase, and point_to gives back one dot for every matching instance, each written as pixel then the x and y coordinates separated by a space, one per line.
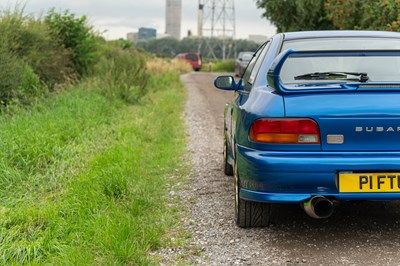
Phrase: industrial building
pixel 147 33
pixel 173 14
pixel 142 35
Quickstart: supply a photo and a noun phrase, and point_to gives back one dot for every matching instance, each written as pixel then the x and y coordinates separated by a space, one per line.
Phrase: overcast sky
pixel 118 17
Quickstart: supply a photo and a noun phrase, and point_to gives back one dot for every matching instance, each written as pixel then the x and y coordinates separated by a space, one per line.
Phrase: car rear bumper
pixel 293 177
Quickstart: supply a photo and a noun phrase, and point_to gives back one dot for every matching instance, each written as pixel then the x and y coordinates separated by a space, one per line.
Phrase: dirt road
pixel 358 233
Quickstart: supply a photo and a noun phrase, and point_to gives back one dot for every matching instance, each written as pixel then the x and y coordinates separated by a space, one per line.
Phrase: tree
pixel 368 15
pixel 164 47
pixel 296 15
pixel 169 47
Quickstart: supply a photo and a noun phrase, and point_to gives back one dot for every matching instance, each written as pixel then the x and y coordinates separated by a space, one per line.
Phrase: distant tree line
pixel 208 48
pixel 299 15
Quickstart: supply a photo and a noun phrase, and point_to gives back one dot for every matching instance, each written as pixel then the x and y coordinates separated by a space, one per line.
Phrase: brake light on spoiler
pixel 285 131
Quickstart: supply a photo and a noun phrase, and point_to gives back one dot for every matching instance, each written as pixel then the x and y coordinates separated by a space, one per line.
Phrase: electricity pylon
pixel 216 19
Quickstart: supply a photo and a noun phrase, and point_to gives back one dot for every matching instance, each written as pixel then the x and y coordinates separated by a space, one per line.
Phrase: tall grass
pixel 121 73
pixel 224 66
pixel 159 65
pixel 84 177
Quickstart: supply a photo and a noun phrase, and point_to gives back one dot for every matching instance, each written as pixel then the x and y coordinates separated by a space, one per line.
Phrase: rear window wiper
pixel 363 77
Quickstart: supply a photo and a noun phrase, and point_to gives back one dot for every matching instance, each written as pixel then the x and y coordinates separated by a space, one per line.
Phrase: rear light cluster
pixel 285 131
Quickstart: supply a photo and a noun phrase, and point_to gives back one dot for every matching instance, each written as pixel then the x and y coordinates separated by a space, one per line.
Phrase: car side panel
pixel 261 103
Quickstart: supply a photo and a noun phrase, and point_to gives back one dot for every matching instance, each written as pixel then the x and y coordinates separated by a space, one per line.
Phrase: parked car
pixel 315 121
pixel 192 58
pixel 241 63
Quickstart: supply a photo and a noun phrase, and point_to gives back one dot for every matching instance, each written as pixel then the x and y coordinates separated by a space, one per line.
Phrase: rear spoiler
pixel 274 81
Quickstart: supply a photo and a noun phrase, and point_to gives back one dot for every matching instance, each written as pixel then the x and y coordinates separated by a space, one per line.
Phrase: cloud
pixel 119 17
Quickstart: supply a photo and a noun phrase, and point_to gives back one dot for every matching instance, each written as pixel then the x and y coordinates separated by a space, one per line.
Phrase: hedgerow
pixel 39 55
pixel 76 35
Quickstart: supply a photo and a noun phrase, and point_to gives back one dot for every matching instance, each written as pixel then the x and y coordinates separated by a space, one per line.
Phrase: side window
pixel 253 67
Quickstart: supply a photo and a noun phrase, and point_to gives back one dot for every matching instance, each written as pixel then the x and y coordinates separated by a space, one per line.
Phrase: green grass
pixel 84 179
pixel 224 66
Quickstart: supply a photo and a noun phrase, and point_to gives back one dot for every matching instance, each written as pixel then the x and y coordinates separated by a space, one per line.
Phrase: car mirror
pixel 225 83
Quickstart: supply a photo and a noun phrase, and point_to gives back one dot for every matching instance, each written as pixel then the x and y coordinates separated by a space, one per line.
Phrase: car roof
pixel 338 33
pixel 188 53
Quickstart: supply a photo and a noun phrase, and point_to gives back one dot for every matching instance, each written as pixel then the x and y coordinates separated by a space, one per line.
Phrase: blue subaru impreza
pixel 315 120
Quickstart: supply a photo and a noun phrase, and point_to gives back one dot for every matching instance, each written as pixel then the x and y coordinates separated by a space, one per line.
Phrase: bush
pixel 31 87
pixel 18 83
pixel 122 73
pixel 76 35
pixel 49 60
pixel 11 74
pixel 29 40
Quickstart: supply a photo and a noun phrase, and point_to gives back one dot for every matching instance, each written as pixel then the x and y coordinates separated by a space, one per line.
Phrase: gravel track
pixel 359 233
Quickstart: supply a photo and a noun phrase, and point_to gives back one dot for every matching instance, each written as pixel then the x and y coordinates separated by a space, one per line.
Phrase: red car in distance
pixel 192 58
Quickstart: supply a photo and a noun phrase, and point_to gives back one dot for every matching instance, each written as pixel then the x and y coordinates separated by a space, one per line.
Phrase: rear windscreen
pixel 192 57
pixel 322 69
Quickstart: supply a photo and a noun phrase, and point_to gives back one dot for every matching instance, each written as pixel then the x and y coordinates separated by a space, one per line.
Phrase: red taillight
pixel 285 131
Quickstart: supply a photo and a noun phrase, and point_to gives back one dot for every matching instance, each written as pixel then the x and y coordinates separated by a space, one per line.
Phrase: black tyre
pixel 249 213
pixel 228 168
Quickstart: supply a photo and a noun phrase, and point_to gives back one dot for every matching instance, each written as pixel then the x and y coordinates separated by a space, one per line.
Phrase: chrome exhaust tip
pixel 318 207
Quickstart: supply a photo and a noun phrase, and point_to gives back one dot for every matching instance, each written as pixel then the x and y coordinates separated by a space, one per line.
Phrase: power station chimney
pixel 173 18
pixel 200 19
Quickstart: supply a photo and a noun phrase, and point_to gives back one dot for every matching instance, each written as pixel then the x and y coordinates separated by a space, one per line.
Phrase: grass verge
pixel 84 179
pixel 224 66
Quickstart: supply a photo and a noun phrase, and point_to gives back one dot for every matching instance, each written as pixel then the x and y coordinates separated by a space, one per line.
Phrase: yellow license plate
pixel 369 182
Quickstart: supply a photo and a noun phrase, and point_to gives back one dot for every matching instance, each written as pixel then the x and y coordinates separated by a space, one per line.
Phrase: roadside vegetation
pixel 302 15
pixel 91 138
pixel 224 66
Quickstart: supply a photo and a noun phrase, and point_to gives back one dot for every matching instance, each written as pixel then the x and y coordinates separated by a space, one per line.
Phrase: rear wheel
pixel 228 168
pixel 250 213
